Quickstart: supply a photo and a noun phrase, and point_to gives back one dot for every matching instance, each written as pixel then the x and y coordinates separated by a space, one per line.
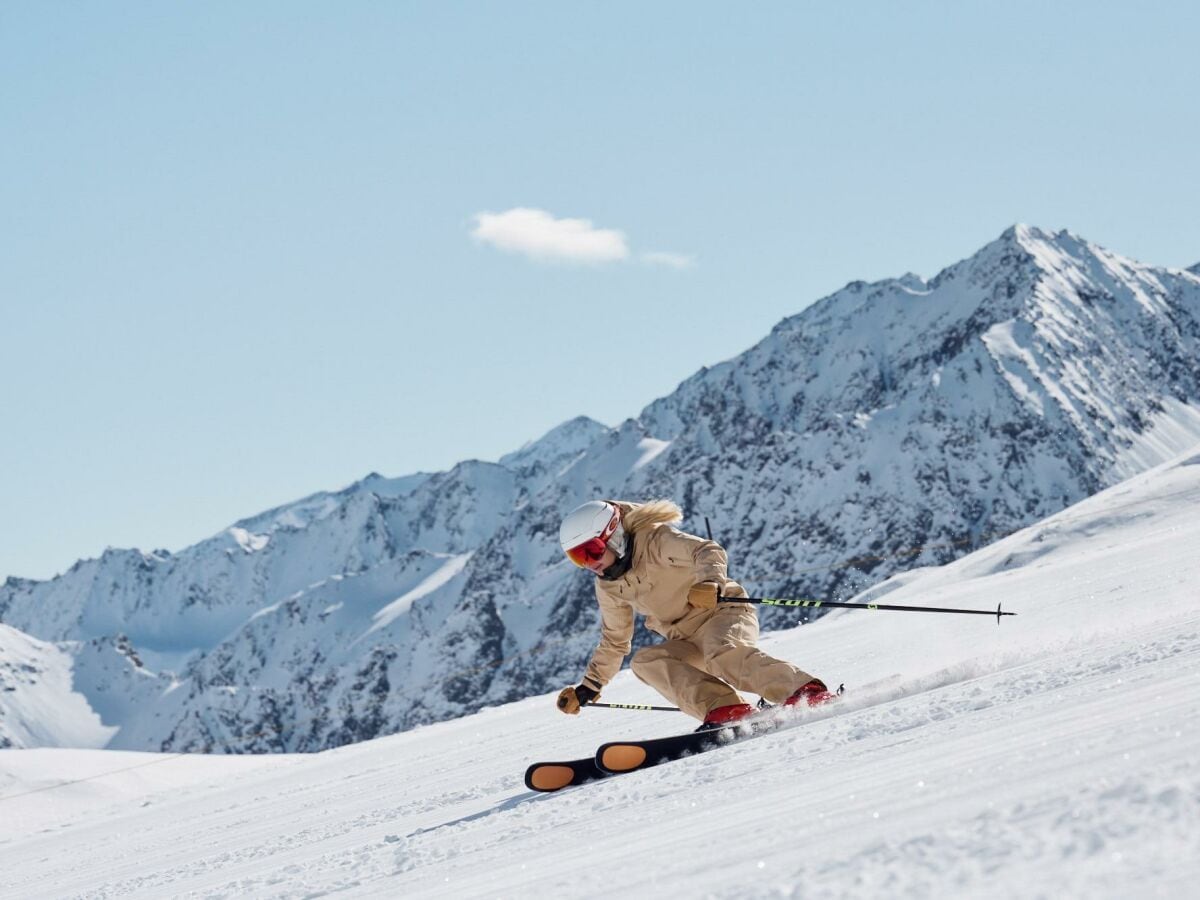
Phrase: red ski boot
pixel 726 715
pixel 814 694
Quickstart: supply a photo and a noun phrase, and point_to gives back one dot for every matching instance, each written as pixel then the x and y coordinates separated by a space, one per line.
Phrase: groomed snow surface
pixel 1054 755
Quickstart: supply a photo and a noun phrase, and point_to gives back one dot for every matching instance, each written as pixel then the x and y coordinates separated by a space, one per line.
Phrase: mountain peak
pixel 1026 250
pixel 568 439
pixel 1020 239
pixel 1024 233
pixel 913 282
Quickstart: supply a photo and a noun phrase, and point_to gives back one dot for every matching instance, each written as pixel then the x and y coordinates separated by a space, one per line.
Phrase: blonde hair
pixel 653 512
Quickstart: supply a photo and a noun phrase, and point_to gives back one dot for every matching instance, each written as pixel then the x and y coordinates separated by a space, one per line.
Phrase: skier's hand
pixel 704 595
pixel 571 698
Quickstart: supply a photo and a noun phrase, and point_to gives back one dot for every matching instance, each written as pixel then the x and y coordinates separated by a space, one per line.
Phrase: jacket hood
pixel 637 517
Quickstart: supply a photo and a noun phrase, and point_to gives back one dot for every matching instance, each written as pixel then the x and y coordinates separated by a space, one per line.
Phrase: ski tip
pixel 547 778
pixel 554 776
pixel 621 757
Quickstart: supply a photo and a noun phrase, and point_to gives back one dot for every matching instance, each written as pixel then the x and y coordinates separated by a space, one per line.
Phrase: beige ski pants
pixel 701 670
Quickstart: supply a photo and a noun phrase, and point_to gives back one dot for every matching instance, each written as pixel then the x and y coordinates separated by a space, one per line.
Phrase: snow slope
pixel 1055 754
pixel 38 702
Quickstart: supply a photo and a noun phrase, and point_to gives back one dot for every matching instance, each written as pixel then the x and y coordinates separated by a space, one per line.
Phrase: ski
pixel 624 756
pixel 554 776
pixel 616 757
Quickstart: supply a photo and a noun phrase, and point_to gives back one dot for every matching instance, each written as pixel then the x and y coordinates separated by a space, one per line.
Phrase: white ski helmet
pixel 593 525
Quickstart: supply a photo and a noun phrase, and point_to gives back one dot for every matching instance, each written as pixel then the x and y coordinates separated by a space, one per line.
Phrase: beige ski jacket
pixel 666 564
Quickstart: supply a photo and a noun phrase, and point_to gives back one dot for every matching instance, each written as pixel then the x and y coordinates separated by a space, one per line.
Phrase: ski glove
pixel 571 698
pixel 704 595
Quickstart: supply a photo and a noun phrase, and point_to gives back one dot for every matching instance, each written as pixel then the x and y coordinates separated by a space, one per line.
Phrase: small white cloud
pixel 671 260
pixel 538 235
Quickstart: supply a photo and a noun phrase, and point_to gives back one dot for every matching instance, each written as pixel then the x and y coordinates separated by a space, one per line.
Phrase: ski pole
pixel 641 706
pixel 814 604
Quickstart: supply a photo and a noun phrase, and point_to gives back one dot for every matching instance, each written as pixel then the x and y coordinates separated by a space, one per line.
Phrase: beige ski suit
pixel 708 652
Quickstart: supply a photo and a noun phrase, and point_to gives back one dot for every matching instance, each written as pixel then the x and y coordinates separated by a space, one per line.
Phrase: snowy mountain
pixel 38 706
pixel 888 426
pixel 1052 755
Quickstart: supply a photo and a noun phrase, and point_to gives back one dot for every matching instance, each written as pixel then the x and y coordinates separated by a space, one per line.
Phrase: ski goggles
pixel 589 552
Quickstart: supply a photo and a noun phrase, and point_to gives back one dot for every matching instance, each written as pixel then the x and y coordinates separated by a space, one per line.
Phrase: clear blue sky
pixel 236 253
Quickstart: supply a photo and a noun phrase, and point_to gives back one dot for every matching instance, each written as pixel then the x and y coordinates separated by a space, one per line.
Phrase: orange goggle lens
pixel 588 552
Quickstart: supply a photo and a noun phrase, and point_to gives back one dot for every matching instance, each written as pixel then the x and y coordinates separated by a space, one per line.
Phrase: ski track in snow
pixel 876 793
pixel 1054 755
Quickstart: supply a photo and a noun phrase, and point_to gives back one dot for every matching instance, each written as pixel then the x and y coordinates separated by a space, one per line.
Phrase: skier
pixel 645 565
